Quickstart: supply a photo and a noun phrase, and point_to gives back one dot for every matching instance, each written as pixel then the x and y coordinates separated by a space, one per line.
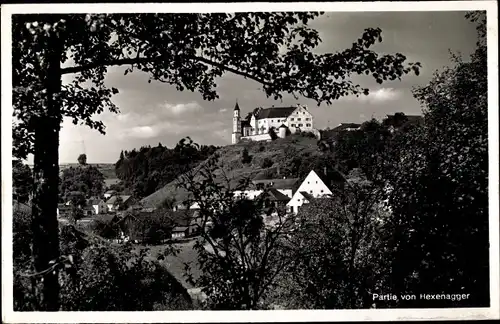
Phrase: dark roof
pixel 94 201
pixel 275 112
pixel 275 195
pixel 344 126
pixel 112 200
pixel 308 196
pixel 182 217
pixel 179 229
pixel 236 107
pixel 278 183
pixel 283 126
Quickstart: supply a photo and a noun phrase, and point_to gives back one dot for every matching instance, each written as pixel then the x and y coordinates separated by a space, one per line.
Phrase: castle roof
pixel 274 112
pixel 236 107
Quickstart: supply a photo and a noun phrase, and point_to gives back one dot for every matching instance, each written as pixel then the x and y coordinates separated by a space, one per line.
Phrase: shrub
pixel 266 163
pixel 273 134
pixel 245 157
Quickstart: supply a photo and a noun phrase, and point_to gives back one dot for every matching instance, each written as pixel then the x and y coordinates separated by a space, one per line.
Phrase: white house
pixel 312 187
pixel 99 206
pixel 257 124
pixel 285 186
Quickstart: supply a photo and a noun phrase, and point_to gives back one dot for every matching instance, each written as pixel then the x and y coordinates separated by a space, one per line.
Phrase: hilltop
pixel 293 156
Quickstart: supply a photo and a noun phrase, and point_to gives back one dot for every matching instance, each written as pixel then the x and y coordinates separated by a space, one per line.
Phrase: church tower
pixel 236 125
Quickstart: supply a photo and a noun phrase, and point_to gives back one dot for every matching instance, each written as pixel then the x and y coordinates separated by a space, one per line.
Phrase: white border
pixel 9 316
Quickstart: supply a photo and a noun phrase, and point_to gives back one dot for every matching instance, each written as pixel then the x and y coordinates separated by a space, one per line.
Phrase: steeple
pixel 236 107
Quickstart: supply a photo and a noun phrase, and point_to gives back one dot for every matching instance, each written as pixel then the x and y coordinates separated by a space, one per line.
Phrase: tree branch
pixel 137 60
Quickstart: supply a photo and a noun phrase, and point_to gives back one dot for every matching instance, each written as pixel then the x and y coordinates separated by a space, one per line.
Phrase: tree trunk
pixel 46 180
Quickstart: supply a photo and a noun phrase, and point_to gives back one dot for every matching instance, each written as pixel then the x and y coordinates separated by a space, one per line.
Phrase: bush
pixel 266 163
pixel 245 157
pixel 272 133
pixel 105 276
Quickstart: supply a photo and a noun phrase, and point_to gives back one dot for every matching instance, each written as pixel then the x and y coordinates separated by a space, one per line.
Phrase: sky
pixel 151 113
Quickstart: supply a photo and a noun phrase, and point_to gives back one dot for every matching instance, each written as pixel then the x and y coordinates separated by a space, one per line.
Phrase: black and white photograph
pixel 282 158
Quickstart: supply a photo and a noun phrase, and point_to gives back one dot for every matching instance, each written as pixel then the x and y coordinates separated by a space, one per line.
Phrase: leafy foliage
pixel 86 179
pixel 339 257
pixel 245 156
pixel 440 186
pixel 82 159
pixel 150 168
pixel 101 276
pixel 239 254
pixel 189 51
pixel 22 181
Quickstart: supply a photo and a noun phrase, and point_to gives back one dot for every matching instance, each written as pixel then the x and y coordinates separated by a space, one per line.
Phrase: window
pixel 316 182
pixel 321 190
pixel 298 119
pixel 308 182
pixel 308 125
pixel 300 125
pixel 310 191
pixel 291 119
pixel 307 119
pixel 293 125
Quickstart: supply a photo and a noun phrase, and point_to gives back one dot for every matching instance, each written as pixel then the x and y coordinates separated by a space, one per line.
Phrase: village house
pixel 282 120
pixel 312 187
pixel 119 202
pixel 108 194
pixel 99 205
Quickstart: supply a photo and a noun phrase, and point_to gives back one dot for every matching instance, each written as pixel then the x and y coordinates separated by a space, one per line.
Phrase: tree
pixel 82 159
pixel 338 252
pixel 245 157
pixel 85 179
pixel 188 51
pixel 239 255
pixel 266 163
pixel 439 184
pixel 272 133
pixel 151 168
pixel 78 203
pixel 22 181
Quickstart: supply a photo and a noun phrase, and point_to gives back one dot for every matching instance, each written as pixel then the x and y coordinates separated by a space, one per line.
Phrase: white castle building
pixel 283 120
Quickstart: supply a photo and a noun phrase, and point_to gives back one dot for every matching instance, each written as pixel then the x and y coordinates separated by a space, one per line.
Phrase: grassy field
pixel 231 165
pixel 175 264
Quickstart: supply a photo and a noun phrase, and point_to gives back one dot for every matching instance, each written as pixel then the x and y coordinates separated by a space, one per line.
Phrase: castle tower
pixel 236 125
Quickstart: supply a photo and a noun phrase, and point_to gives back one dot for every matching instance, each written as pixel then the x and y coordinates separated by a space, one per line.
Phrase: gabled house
pixel 119 202
pixel 108 194
pixel 312 187
pixel 99 205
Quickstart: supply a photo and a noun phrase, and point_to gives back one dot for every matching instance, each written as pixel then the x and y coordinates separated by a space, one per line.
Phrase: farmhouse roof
pixel 278 183
pixel 275 195
pixel 94 201
pixel 307 195
pixel 112 200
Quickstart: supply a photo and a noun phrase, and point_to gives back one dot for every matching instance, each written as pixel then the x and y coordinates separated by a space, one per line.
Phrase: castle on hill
pixel 258 124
